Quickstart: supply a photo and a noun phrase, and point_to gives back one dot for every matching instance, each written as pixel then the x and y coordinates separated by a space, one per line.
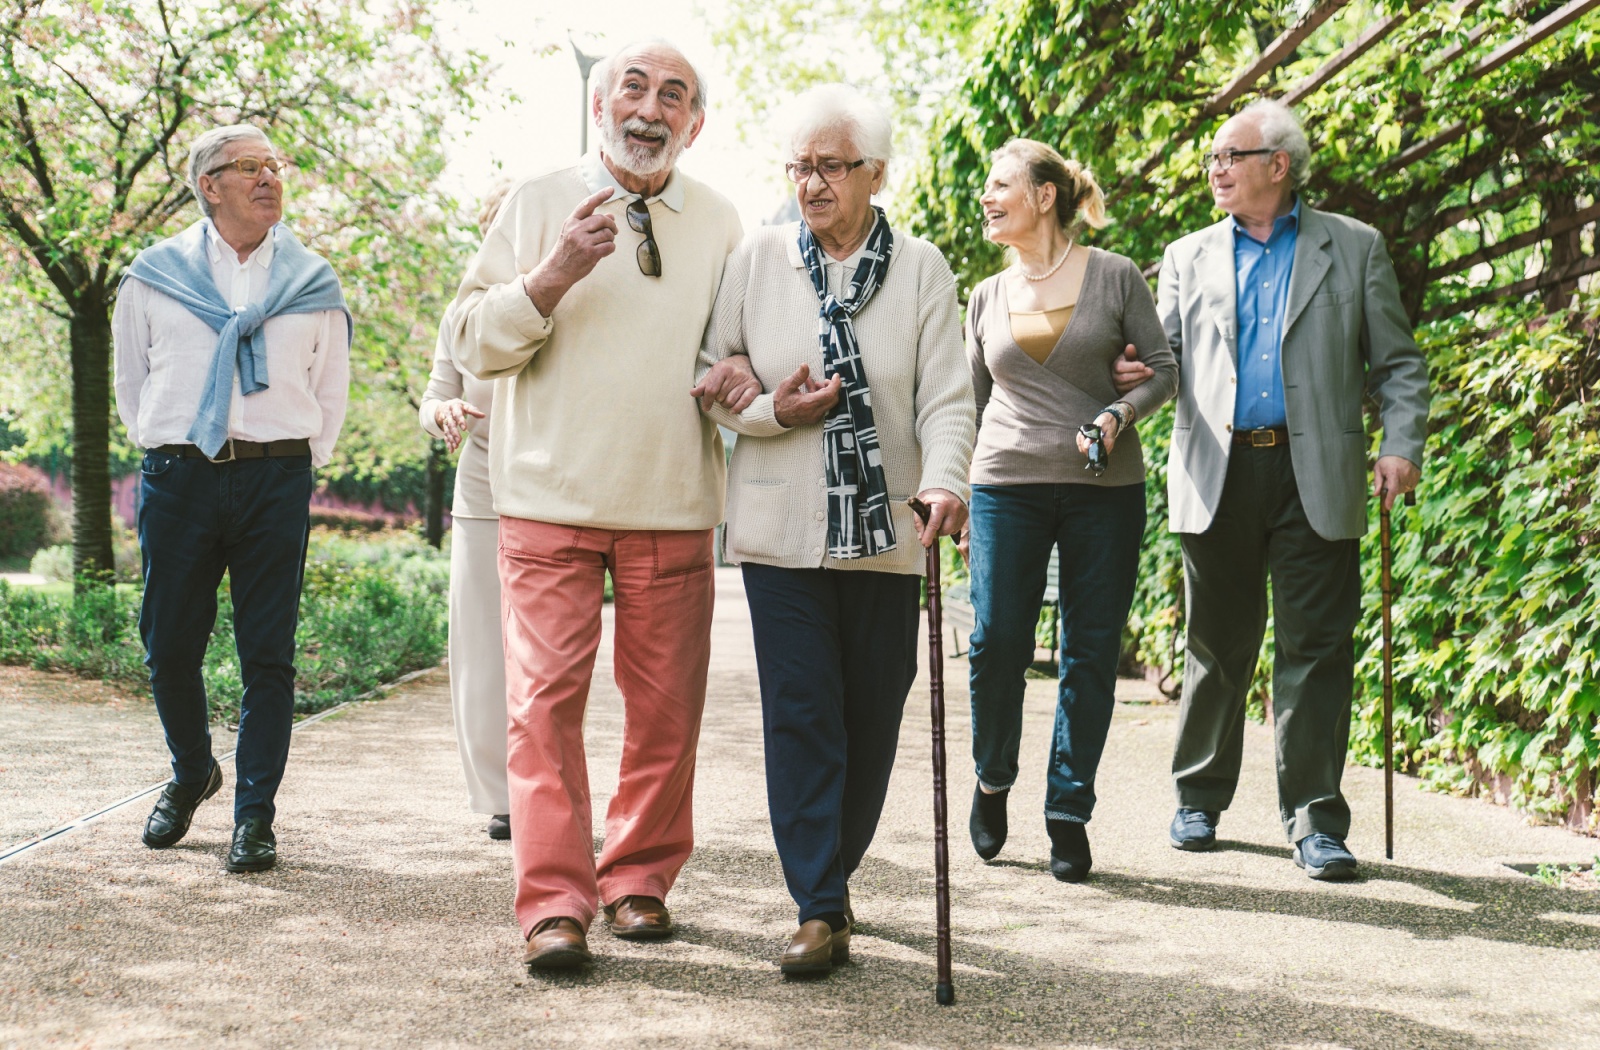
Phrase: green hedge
pixel 1497 615
pixel 370 612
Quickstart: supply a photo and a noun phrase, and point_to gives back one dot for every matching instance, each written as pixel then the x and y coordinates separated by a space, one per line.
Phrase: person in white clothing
pixel 232 351
pixel 455 408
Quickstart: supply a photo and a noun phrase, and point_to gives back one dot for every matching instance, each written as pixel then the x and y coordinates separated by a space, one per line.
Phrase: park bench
pixel 957 608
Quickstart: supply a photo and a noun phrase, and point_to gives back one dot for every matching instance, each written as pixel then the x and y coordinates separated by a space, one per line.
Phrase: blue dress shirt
pixel 1262 273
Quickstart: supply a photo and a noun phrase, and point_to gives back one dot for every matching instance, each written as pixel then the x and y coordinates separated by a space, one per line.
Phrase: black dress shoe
pixel 1194 830
pixel 254 846
pixel 169 821
pixel 500 827
pixel 988 823
pixel 1069 850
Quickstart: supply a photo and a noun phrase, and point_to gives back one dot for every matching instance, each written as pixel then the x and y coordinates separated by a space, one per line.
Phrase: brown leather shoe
pixel 636 918
pixel 557 944
pixel 811 949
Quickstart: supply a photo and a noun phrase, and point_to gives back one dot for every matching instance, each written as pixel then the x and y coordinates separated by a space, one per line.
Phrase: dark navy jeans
pixel 836 652
pixel 1098 532
pixel 198 519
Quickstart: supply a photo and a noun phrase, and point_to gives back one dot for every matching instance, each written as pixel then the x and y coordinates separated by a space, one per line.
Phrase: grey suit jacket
pixel 1345 332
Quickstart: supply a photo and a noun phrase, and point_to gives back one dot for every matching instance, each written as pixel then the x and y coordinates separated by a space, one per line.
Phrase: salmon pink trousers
pixel 552 581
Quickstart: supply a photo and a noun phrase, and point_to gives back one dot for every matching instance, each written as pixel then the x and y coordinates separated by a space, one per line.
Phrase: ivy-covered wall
pixel 1467 134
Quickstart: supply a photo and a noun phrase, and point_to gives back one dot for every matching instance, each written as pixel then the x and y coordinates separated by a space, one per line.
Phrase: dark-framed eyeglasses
pixel 1224 159
pixel 649 254
pixel 250 167
pixel 831 170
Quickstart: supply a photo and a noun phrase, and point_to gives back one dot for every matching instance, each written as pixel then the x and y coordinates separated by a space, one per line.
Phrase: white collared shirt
pixel 597 177
pixel 163 355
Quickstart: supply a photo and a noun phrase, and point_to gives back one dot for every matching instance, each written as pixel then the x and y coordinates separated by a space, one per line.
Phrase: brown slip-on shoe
pixel 811 949
pixel 557 944
pixel 637 918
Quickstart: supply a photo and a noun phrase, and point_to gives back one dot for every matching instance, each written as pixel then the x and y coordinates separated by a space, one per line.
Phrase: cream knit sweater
pixel 911 348
pixel 593 424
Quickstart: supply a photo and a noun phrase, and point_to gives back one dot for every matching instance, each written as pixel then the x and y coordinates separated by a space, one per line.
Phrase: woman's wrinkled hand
pixel 801 400
pixel 946 516
pixel 452 416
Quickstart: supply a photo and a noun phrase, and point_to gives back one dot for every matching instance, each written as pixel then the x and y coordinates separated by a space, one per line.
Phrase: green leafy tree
pixel 100 101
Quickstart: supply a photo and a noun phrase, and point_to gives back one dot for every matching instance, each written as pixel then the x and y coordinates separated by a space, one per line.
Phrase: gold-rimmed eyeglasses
pixel 250 167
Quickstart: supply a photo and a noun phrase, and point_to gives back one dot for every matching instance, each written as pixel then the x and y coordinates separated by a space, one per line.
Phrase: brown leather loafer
pixel 636 918
pixel 811 949
pixel 557 944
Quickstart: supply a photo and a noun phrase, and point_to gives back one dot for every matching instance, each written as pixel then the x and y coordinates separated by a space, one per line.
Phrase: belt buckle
pixel 1263 438
pixel 232 455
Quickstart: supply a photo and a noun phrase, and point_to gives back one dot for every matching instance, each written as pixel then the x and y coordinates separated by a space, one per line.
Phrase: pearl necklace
pixel 1048 273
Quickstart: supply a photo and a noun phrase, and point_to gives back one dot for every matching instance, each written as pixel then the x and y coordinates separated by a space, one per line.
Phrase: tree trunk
pixel 1566 249
pixel 435 509
pixel 90 332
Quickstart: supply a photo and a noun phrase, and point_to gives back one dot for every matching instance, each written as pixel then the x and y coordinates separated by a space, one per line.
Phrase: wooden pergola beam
pixel 1521 240
pixel 1587 265
pixel 1352 51
pixel 1271 56
pixel 1550 24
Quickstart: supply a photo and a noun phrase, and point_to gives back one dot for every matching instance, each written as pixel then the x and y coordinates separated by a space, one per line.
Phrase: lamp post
pixel 586 62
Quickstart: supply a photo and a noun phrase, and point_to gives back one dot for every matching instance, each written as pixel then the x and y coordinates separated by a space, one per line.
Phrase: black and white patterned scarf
pixel 859 523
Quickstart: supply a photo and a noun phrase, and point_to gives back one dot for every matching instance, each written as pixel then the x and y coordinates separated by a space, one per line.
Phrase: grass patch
pixel 372 610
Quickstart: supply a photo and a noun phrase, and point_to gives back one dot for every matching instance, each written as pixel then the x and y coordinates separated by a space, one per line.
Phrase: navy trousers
pixel 198 519
pixel 1097 531
pixel 836 653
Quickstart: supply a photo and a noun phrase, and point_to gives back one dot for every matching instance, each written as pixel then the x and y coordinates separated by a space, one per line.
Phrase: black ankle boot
pixel 1069 850
pixel 988 823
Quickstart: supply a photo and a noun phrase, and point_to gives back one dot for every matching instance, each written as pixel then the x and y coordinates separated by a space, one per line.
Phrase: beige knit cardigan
pixel 912 351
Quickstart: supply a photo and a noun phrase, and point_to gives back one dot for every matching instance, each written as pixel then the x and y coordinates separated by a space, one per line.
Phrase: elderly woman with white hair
pixel 854 331
pixel 455 408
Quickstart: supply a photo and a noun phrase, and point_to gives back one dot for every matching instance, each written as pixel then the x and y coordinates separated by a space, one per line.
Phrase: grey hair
pixel 208 148
pixel 604 75
pixel 835 107
pixel 1281 130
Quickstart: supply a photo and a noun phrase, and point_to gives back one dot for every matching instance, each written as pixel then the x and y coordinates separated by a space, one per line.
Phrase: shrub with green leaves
pixel 370 612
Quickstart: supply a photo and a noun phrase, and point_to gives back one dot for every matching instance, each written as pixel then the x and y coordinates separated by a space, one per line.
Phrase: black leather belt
pixel 235 449
pixel 1266 437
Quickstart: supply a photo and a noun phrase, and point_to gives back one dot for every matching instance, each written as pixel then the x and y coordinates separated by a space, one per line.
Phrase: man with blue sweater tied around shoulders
pixel 232 372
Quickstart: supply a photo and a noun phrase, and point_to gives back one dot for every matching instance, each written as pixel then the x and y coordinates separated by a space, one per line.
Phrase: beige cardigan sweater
pixel 472 497
pixel 911 348
pixel 593 424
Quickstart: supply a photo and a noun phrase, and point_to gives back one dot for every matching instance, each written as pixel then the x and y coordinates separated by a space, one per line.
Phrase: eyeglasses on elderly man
pixel 250 167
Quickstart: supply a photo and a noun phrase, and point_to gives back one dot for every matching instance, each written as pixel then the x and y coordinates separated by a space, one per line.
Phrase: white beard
pixel 640 160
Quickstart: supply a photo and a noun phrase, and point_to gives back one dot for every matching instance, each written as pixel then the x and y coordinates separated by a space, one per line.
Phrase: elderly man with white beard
pixel 601 461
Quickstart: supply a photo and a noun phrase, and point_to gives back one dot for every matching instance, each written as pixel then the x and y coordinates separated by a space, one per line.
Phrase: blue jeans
pixel 1098 531
pixel 198 519
pixel 836 652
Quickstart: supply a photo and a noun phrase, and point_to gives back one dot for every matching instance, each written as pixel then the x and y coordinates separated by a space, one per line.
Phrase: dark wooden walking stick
pixel 945 992
pixel 1386 556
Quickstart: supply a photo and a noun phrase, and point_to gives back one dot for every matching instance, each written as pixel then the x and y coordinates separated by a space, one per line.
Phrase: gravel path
pixel 389 921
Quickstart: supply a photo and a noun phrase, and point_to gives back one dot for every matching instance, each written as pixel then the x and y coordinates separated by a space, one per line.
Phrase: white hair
pixel 839 107
pixel 203 155
pixel 604 77
pixel 1281 130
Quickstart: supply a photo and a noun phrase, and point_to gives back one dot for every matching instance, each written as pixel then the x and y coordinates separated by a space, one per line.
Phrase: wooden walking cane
pixel 1386 557
pixel 945 992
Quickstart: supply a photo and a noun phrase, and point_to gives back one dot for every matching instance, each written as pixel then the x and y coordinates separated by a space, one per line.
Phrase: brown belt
pixel 235 449
pixel 1266 437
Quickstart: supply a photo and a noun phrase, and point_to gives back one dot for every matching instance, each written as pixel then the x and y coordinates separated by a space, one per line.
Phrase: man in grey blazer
pixel 1281 317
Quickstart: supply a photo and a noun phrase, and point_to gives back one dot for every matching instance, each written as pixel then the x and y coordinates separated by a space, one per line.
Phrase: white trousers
pixel 477 662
